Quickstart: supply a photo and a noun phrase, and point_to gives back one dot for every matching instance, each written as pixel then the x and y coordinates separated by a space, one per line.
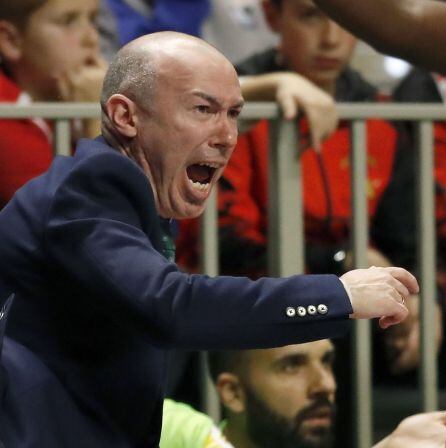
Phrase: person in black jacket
pixel 87 261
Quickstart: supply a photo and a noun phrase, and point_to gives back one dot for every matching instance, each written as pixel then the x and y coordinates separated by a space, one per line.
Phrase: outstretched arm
pixel 410 29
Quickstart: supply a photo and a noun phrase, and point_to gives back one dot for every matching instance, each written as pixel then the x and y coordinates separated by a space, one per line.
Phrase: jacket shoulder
pixel 101 182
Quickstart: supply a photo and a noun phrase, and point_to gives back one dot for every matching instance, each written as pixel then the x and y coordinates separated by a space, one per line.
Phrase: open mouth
pixel 200 175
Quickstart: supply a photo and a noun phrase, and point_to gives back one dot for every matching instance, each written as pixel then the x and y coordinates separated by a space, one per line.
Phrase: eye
pixel 68 19
pixel 234 113
pixel 292 366
pixel 328 360
pixel 94 18
pixel 202 108
pixel 311 13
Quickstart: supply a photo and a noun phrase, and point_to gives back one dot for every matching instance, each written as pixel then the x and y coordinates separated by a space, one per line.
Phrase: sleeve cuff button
pixel 312 310
pixel 301 311
pixel 322 309
pixel 290 311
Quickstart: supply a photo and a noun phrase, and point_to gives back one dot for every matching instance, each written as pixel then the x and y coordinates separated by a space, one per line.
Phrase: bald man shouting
pixel 93 299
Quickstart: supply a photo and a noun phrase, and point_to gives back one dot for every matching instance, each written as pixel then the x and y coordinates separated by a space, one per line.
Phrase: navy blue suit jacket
pixel 96 307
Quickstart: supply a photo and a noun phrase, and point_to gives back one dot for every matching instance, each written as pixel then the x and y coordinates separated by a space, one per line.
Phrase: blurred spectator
pixel 285 397
pixel 237 28
pixel 282 397
pixel 419 86
pixel 395 226
pixel 108 31
pixel 133 18
pixel 49 52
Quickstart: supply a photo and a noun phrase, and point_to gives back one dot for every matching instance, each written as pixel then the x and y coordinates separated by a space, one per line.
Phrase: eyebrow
pixel 303 357
pixel 214 101
pixel 295 358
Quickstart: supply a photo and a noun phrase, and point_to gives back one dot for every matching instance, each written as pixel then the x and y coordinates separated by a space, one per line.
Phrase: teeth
pixel 199 186
pixel 212 165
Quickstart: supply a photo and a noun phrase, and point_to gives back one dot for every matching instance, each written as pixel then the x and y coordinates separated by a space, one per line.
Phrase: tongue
pixel 198 173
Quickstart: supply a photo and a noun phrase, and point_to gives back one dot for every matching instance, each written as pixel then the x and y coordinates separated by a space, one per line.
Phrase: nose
pixel 331 33
pixel 322 381
pixel 90 36
pixel 225 134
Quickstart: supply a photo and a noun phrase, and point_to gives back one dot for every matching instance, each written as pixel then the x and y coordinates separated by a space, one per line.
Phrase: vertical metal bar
pixel 362 342
pixel 209 237
pixel 286 249
pixel 211 402
pixel 427 257
pixel 209 266
pixel 62 138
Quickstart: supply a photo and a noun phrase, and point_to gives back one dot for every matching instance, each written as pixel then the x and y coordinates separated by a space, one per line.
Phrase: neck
pixel 128 148
pixel 115 140
pixel 28 85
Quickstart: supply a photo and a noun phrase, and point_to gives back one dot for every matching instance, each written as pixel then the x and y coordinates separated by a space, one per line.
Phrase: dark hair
pixel 19 11
pixel 225 361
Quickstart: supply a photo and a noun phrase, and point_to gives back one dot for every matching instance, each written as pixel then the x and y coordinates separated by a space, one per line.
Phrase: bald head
pixel 170 102
pixel 137 66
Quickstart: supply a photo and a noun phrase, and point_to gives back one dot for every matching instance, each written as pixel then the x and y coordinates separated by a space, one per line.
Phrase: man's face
pixel 190 131
pixel 59 37
pixel 290 394
pixel 310 43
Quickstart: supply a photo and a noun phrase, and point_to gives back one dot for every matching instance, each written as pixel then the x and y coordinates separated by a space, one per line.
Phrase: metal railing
pixel 286 233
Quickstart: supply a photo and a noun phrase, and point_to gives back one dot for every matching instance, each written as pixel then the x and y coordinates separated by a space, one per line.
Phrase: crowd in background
pixel 284 50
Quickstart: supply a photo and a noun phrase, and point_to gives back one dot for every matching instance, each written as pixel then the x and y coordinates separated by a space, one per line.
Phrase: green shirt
pixel 184 427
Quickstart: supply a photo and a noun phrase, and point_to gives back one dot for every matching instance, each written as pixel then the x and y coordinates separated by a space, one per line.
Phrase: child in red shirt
pixel 49 52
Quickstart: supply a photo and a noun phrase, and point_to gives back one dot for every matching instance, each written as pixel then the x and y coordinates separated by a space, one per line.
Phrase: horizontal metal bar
pixel 252 110
pixel 361 111
pixel 400 111
pixel 50 110
pixel 259 110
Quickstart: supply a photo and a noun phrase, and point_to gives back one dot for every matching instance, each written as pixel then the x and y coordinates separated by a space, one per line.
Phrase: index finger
pixel 405 277
pixel 315 139
pixel 288 106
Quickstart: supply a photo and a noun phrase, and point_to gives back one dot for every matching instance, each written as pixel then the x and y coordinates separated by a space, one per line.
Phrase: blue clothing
pixel 97 306
pixel 185 16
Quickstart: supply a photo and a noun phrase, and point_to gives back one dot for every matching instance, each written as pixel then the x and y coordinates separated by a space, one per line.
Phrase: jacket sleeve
pixel 98 230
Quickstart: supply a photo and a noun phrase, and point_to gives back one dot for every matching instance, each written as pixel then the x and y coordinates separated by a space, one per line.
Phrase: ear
pixel 121 112
pixel 10 41
pixel 272 15
pixel 231 392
